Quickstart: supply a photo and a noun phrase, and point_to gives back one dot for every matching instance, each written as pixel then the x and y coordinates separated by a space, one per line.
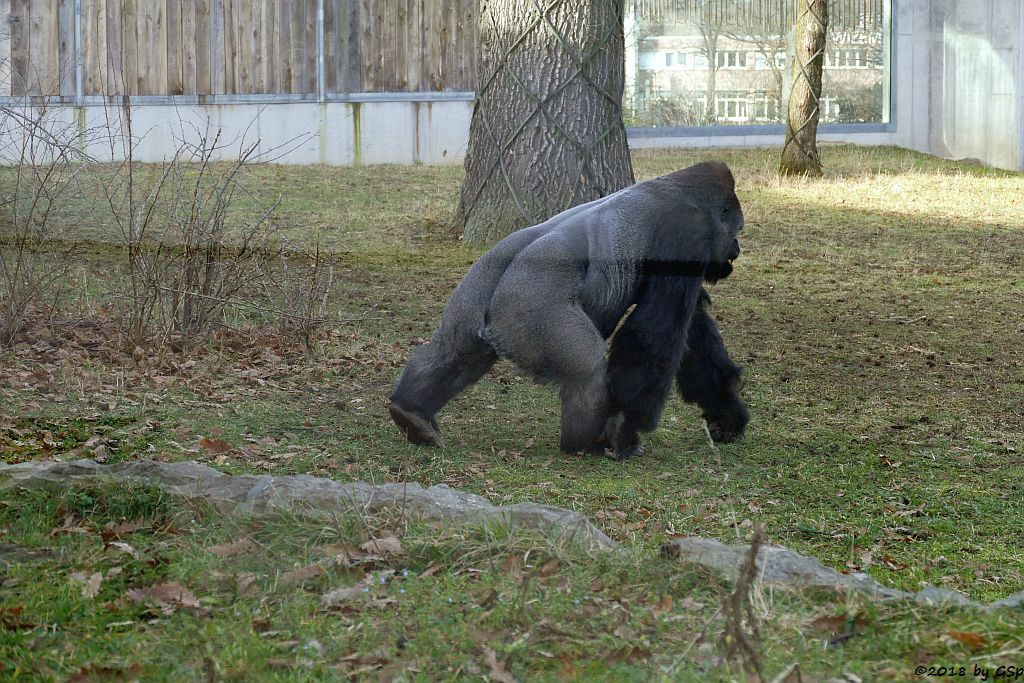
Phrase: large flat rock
pixel 260 495
pixel 777 566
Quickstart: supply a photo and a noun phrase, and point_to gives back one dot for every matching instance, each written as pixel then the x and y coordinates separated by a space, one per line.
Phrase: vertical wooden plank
pixel 400 47
pixel 6 63
pixel 330 46
pixel 189 41
pixel 284 47
pixel 311 45
pixel 41 77
pixel 130 42
pixel 298 24
pixel 20 45
pixel 433 48
pixel 414 55
pixel 230 48
pixel 143 45
pixel 243 45
pixel 368 47
pixel 66 48
pixel 159 84
pixel 447 43
pixel 353 53
pixel 197 74
pixel 191 35
pixel 176 38
pixel 268 18
pixel 253 32
pixel 94 47
pixel 89 46
pixel 115 47
pixel 382 32
pixel 341 14
pixel 218 70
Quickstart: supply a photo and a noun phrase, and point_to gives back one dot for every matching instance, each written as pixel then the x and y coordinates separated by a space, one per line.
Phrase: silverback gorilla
pixel 547 297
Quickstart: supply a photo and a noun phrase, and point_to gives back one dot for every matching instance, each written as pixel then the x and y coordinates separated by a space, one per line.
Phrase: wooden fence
pixel 84 48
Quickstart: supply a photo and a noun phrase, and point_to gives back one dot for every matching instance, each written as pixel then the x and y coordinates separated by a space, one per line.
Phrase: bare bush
pixel 298 285
pixel 192 253
pixel 42 162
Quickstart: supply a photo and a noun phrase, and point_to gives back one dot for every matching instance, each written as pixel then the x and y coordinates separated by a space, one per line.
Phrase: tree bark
pixel 547 131
pixel 800 153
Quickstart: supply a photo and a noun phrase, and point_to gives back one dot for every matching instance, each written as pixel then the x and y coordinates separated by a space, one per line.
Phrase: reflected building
pixel 729 62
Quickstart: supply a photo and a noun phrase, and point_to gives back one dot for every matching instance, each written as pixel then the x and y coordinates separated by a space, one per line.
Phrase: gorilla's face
pixel 731 225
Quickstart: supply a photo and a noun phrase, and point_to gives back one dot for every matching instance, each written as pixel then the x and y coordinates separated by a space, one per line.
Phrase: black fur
pixel 549 296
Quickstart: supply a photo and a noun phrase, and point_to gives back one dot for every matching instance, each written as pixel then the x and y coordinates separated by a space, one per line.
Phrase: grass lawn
pixel 877 312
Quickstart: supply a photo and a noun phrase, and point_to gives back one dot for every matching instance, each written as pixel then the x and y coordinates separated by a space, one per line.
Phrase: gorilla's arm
pixel 644 355
pixel 709 378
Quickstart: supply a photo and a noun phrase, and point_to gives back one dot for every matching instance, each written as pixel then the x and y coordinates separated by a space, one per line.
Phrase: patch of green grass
pixel 431 610
pixel 876 312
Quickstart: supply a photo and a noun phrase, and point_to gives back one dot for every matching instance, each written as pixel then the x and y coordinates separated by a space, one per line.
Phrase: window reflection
pixel 727 62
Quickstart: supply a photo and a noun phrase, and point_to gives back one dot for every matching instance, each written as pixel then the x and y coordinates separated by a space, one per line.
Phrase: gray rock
pixel 777 566
pixel 934 595
pixel 256 496
pixel 1015 600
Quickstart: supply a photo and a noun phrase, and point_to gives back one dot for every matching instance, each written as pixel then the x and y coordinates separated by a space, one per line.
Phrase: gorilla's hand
pixel 623 441
pixel 729 422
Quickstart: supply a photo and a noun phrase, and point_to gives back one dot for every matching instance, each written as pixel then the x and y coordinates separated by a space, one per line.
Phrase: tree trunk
pixel 547 131
pixel 800 154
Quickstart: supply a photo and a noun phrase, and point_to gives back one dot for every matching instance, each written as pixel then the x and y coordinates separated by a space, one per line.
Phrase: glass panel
pixel 727 62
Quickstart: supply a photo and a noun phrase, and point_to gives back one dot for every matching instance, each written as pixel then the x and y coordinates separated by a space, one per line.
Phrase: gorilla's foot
pixel 417 429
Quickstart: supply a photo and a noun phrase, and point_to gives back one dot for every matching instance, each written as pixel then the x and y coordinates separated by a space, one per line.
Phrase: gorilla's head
pixel 718 195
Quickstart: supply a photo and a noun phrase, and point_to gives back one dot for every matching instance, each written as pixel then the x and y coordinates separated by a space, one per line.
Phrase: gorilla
pixel 548 298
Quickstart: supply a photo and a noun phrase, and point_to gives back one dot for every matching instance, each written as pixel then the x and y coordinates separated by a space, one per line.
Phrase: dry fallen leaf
pixel 388 546
pixel 214 445
pixel 498 671
pixel 90 583
pixel 344 594
pixel 226 550
pixel 430 571
pixel 246 586
pixel 124 548
pixel 549 568
pixel 487 598
pixel 168 597
pixel 301 575
pixel 664 606
pixel 95 672
pixel 791 674
pixel 841 627
pixel 969 639
pixel 115 532
pixel 512 565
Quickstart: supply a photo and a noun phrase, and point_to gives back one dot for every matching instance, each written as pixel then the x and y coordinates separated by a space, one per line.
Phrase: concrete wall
pixel 372 131
pixel 959 87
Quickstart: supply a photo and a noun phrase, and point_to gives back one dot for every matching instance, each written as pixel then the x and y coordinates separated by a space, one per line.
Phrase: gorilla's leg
pixel 434 375
pixel 709 378
pixel 646 351
pixel 555 341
